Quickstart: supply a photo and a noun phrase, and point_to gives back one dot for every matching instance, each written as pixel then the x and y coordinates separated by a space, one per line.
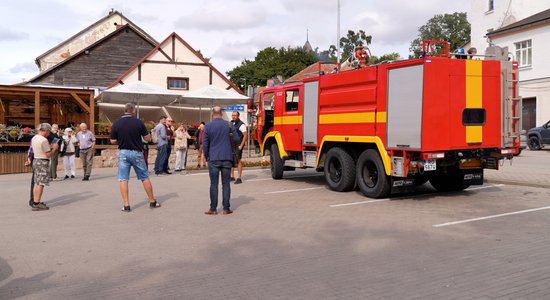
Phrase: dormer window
pixel 491 5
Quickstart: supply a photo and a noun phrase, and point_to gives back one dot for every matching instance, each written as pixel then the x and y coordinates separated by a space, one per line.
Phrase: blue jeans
pixel 214 169
pixel 128 159
pixel 162 152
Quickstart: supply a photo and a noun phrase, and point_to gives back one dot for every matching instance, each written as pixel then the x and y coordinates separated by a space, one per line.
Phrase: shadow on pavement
pixel 19 287
pixel 69 199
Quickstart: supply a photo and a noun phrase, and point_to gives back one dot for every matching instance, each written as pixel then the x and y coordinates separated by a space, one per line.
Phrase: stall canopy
pixel 212 95
pixel 140 93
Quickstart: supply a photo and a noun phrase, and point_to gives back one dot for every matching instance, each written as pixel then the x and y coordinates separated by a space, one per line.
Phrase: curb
pixel 520 183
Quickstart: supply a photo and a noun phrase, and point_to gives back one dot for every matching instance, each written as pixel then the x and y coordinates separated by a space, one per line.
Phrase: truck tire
pixel 339 170
pixel 276 162
pixel 534 143
pixel 371 176
pixel 452 180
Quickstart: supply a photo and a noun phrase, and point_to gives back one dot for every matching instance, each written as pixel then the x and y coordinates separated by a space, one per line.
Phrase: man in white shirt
pixel 41 163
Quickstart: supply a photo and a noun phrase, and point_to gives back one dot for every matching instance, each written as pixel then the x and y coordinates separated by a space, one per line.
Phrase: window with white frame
pixel 524 53
pixel 177 83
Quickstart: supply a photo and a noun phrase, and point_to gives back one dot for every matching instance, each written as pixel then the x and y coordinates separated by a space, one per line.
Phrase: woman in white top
pixel 68 152
pixel 180 144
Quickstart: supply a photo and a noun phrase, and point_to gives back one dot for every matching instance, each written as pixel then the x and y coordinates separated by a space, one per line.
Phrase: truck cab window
pixel 292 100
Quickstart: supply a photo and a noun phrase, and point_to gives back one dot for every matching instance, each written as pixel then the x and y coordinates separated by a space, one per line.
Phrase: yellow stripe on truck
pixel 474 97
pixel 287 120
pixel 345 118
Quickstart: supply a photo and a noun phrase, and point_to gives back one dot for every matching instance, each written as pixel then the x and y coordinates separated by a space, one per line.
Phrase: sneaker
pixel 126 208
pixel 154 204
pixel 39 206
pixel 66 177
pixel 227 211
pixel 72 176
pixel 232 178
pixel 160 174
pixel 86 178
pixel 238 180
pixel 167 172
pixel 179 170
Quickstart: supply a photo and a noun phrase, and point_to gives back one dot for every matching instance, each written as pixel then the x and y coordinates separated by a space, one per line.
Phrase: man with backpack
pixel 240 127
pixel 161 139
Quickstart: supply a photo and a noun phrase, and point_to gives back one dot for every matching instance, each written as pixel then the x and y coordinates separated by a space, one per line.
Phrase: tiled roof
pixel 147 36
pixel 540 18
pixel 313 71
pixel 90 47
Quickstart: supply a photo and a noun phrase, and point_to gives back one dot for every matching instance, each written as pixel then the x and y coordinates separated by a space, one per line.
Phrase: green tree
pixel 386 57
pixel 271 62
pixel 453 28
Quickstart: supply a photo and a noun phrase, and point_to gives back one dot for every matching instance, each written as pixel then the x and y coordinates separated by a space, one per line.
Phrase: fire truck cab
pixel 390 127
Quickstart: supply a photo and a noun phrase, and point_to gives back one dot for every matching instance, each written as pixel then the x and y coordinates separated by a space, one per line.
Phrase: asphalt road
pixel 288 239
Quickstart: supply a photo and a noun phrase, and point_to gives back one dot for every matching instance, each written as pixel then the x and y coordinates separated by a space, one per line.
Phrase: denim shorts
pixel 128 159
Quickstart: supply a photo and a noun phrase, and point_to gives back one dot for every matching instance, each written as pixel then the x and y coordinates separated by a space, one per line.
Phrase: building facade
pixel 524 27
pixel 84 38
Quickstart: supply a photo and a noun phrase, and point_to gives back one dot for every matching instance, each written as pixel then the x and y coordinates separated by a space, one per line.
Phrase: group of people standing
pixel 220 142
pixel 46 146
pixel 166 135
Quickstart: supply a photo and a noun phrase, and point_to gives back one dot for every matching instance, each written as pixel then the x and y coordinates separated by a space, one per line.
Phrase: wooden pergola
pixel 45 100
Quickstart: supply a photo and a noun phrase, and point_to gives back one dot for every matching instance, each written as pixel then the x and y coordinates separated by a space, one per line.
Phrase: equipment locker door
pixel 292 119
pixel 310 106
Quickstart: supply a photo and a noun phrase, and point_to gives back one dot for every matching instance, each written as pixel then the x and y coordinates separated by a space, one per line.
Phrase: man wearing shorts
pixel 41 164
pixel 127 133
pixel 243 135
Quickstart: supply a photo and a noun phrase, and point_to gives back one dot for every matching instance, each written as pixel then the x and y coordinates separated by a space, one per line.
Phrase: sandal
pixel 154 204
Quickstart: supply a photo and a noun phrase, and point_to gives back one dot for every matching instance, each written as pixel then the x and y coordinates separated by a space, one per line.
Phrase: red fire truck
pixel 389 127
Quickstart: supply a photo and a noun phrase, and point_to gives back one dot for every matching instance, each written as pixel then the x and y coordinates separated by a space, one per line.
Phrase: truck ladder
pixel 512 109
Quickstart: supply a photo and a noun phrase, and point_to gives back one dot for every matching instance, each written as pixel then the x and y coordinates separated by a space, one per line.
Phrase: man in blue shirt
pixel 217 147
pixel 127 133
pixel 162 147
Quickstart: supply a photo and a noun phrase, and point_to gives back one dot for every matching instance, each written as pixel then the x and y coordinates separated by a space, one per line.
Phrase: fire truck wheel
pixel 452 180
pixel 276 162
pixel 371 176
pixel 339 170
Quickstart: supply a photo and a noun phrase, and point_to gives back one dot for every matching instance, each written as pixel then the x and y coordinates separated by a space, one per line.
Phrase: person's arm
pixel 145 133
pixel 206 145
pixel 163 134
pixel 49 149
pixel 93 140
pixel 30 157
pixel 114 135
pixel 245 136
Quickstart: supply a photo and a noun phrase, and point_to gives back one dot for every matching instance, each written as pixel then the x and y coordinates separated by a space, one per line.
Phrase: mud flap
pixel 473 177
pixel 402 185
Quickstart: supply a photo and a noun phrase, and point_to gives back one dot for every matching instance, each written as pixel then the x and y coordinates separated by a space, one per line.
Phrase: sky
pixel 227 31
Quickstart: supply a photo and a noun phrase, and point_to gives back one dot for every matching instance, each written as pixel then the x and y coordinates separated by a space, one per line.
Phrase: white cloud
pixel 226 31
pixel 222 16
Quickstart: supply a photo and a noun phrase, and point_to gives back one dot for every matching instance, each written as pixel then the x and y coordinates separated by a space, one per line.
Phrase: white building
pixel 524 27
pixel 175 65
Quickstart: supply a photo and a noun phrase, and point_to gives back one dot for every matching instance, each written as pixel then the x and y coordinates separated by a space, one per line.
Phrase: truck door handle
pixel 296 129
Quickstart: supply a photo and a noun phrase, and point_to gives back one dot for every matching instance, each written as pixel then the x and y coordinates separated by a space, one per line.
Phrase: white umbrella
pixel 140 93
pixel 212 95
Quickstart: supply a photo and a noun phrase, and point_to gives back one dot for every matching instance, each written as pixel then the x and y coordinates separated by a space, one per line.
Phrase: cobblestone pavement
pixel 288 239
pixel 530 168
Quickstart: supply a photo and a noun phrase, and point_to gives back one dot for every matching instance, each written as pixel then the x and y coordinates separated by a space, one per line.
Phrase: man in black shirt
pixel 126 133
